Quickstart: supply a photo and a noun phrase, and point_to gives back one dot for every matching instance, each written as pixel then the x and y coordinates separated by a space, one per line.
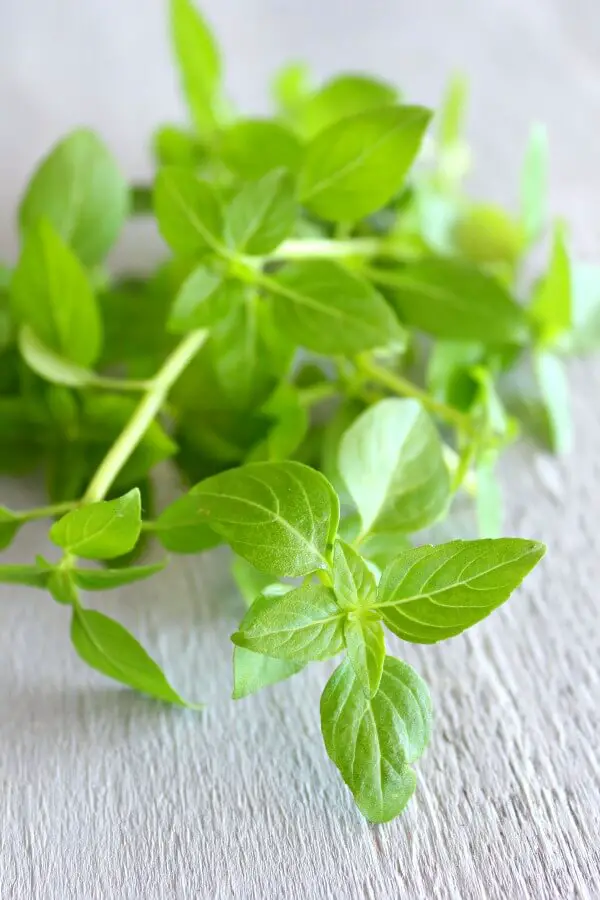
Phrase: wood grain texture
pixel 104 794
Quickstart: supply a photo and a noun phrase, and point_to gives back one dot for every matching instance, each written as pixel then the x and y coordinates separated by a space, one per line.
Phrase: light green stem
pixel 46 512
pixel 406 388
pixel 144 415
pixel 309 396
pixel 119 384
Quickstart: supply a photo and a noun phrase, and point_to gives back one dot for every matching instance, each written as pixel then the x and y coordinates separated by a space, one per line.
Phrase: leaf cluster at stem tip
pixel 338 348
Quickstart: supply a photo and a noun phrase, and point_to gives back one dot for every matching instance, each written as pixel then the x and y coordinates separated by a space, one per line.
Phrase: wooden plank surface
pixel 104 794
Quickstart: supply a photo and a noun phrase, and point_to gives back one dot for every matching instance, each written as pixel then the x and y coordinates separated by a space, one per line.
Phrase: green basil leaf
pixel 250 581
pixel 51 293
pixel 32 576
pixel 452 113
pixel 49 365
pixel 432 593
pixel 280 516
pixel 353 582
pixel 254 671
pixel 382 547
pixel 253 147
pixel 105 579
pixel 302 625
pixel 176 146
pixel 199 63
pixel 109 648
pixel 454 301
pixel 101 530
pixel 554 389
pixel 449 372
pixel 344 96
pixel 291 88
pixel 188 212
pixel 245 362
pixel 289 428
pixel 392 463
pixel 329 310
pixel 355 166
pixel 551 308
pixel 262 214
pixel 372 741
pixel 205 298
pixel 180 528
pixel 9 525
pixel 365 643
pixel 486 234
pixel 488 500
pixel 78 188
pixel 534 184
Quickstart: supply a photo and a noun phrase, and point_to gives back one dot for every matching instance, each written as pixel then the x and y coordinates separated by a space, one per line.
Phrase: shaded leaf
pixel 254 671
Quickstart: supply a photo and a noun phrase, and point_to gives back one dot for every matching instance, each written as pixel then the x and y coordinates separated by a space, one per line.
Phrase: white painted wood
pixel 104 794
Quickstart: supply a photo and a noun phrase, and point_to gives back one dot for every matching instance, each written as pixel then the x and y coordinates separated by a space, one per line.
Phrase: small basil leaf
pixel 79 189
pixel 372 741
pixel 262 213
pixel 51 293
pixel 392 464
pixel 344 96
pixel 205 298
pixel 254 671
pixel 32 576
pixel 382 547
pixel 188 211
pixel 302 625
pixel 353 582
pixel 199 63
pixel 432 593
pixel 9 525
pixel 176 146
pixel 245 362
pixel 110 649
pixel 105 579
pixel 49 365
pixel 486 234
pixel 365 643
pixel 280 516
pixel 355 166
pixel 329 310
pixel 454 301
pixel 554 389
pixel 250 581
pixel 101 530
pixel 180 528
pixel 534 184
pixel 551 308
pixel 291 88
pixel 253 147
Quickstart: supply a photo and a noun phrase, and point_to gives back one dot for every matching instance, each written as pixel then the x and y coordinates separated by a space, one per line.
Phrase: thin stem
pixel 46 512
pixel 119 384
pixel 406 388
pixel 143 416
pixel 314 394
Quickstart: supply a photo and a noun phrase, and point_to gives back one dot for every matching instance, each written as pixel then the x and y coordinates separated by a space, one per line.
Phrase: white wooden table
pixel 104 794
